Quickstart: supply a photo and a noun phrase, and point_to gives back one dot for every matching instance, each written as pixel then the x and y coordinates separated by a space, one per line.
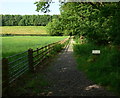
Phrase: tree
pixel 97 21
pixel 55 28
pixel 22 22
pixel 26 20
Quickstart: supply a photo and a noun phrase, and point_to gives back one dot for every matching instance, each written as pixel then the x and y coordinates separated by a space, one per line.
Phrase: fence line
pixel 16 65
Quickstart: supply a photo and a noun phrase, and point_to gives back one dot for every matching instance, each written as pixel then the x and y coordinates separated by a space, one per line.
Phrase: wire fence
pixel 16 65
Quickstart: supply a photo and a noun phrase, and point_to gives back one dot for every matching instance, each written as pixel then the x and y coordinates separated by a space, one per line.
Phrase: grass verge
pixel 103 69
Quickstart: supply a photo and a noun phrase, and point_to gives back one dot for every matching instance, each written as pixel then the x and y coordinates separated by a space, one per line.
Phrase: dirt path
pixel 67 80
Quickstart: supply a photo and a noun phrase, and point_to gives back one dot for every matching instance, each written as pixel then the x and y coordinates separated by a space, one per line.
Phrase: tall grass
pixel 17 44
pixel 103 69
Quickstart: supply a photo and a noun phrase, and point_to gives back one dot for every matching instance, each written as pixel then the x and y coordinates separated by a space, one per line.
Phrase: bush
pixel 103 69
pixel 54 28
pixel 58 48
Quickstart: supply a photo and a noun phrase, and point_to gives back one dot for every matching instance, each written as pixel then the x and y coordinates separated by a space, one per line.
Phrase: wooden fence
pixel 14 66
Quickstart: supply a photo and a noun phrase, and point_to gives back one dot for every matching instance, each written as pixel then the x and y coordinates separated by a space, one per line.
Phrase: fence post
pixel 5 77
pixel 48 50
pixel 30 60
pixel 37 51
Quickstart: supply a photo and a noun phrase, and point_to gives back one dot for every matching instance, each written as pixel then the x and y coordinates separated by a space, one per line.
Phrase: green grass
pixel 103 69
pixel 32 84
pixel 17 44
pixel 24 30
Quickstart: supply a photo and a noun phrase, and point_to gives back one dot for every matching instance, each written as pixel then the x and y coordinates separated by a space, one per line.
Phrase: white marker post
pixel 95 52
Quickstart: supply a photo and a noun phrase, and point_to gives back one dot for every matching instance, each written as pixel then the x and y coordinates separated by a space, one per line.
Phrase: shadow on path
pixel 67 80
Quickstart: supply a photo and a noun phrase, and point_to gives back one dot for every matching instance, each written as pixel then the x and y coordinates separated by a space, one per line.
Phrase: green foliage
pixel 42 6
pixel 26 20
pixel 35 82
pixel 115 27
pixel 32 84
pixel 97 21
pixel 58 48
pixel 54 28
pixel 104 69
pixel 22 22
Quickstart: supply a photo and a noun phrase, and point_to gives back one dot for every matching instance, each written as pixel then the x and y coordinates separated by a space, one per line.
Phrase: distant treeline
pixel 27 20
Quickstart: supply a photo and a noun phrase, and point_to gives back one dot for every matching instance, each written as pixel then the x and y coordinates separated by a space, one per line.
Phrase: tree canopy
pixel 96 21
pixel 27 20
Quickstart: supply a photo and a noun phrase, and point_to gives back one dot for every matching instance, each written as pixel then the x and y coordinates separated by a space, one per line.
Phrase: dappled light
pixel 90 87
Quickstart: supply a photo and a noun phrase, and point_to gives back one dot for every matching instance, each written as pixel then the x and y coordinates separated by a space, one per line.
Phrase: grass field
pixel 17 44
pixel 29 30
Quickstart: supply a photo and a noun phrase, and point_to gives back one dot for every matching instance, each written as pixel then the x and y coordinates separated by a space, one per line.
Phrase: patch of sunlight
pixel 92 87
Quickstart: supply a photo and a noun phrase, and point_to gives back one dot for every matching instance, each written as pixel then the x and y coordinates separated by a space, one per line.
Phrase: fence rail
pixel 16 65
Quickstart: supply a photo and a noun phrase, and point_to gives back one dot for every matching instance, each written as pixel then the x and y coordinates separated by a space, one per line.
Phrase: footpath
pixel 67 80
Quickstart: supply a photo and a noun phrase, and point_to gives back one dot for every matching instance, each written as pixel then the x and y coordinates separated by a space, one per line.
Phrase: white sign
pixel 95 51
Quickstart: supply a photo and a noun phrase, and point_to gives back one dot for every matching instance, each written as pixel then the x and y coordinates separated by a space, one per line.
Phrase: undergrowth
pixel 29 85
pixel 103 69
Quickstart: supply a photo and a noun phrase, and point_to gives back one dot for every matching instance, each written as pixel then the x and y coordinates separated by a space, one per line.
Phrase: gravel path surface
pixel 67 80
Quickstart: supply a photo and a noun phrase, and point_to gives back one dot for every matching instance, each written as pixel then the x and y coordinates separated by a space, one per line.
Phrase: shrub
pixel 105 69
